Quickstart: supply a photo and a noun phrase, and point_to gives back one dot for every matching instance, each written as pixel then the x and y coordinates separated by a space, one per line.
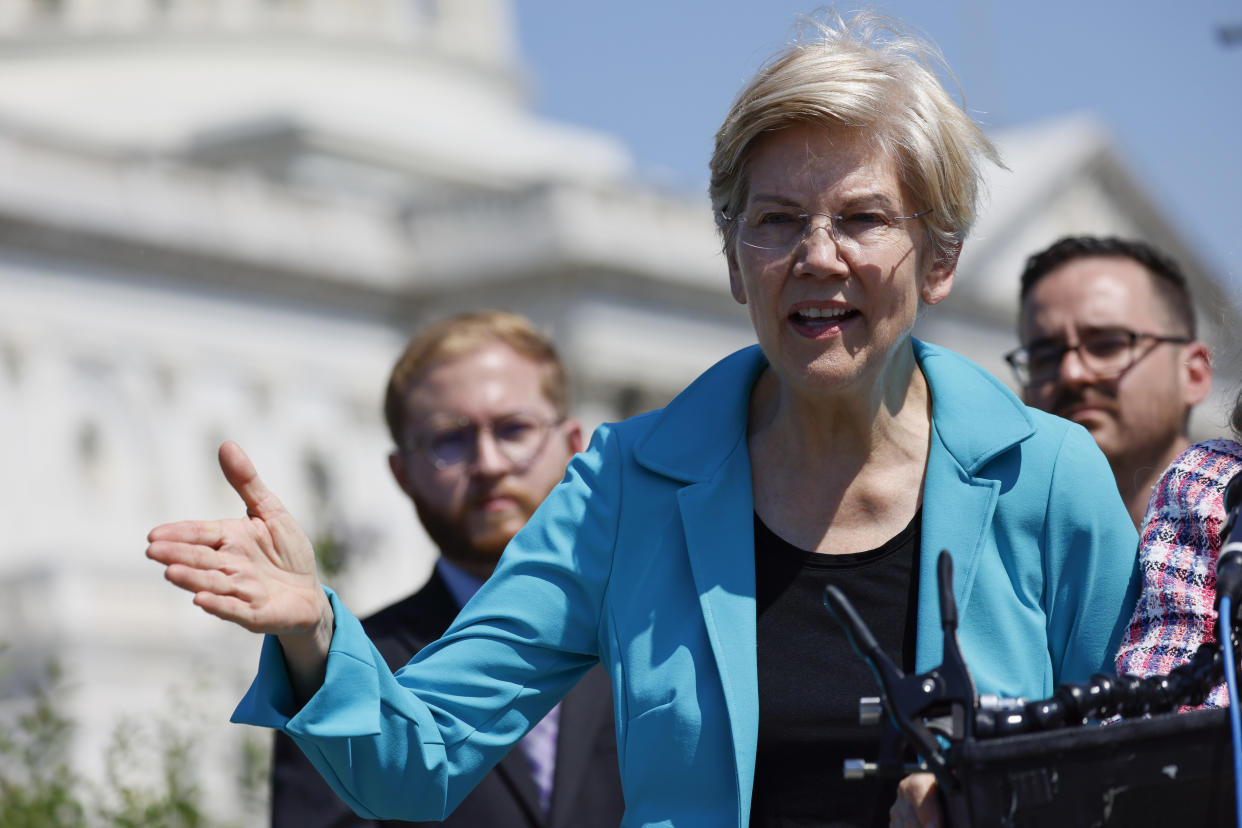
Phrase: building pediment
pixel 1065 176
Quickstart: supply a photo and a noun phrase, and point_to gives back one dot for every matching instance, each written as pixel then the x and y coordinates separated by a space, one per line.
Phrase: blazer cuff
pixel 347 704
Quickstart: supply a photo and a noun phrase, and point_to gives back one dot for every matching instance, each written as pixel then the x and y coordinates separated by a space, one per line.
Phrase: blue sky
pixel 660 76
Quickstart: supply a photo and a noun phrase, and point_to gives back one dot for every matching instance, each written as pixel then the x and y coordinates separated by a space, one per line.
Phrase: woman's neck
pixel 857 420
pixel 843 471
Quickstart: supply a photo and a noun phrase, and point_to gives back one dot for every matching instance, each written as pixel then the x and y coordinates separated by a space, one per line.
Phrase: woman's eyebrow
pixel 873 199
pixel 776 199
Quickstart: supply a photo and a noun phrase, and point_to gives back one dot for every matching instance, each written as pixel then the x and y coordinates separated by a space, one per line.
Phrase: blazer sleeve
pixel 412 745
pixel 300 796
pixel 1091 572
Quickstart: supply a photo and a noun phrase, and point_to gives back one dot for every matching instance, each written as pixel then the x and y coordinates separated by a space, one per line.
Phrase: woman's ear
pixel 939 280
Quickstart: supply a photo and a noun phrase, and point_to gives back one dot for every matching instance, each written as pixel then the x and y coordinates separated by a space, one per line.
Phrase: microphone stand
pixel 940 714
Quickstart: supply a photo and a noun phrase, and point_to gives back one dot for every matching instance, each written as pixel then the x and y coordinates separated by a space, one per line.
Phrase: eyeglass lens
pixel 518 438
pixel 1104 353
pixel 779 229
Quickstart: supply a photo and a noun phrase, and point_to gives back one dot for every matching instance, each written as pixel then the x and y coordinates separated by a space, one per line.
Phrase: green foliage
pixel 254 770
pixel 340 546
pixel 332 554
pixel 130 799
pixel 149 779
pixel 38 789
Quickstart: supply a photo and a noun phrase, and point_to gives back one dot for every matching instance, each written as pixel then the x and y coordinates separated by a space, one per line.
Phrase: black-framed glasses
pixel 783 228
pixel 1106 354
pixel 518 437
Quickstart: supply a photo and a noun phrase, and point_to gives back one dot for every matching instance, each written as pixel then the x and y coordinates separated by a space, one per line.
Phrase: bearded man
pixel 477 406
pixel 1107 327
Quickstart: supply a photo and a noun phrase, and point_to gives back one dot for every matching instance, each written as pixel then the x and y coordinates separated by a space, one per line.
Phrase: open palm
pixel 257 571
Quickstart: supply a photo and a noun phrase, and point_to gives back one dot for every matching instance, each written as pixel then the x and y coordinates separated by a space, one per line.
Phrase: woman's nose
pixel 821 254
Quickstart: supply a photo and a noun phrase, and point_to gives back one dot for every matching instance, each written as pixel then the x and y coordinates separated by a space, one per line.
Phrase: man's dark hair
pixel 1167 276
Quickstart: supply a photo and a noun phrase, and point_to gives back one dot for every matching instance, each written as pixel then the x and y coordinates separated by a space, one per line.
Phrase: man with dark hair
pixel 1107 328
pixel 477 407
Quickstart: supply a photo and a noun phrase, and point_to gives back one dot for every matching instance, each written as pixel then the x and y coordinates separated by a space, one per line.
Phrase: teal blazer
pixel 643 559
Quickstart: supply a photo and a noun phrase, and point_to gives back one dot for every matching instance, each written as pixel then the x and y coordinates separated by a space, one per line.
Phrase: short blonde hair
pixel 869 75
pixel 462 334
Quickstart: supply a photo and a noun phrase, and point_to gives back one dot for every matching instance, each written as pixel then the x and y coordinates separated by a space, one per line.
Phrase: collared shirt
pixel 462 585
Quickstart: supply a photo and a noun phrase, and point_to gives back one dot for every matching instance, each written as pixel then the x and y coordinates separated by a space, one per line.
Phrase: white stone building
pixel 222 219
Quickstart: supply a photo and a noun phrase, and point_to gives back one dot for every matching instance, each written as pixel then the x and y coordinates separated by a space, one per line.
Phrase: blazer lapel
pixel 514 769
pixel 974 419
pixel 957 510
pixel 717 517
pixel 700 440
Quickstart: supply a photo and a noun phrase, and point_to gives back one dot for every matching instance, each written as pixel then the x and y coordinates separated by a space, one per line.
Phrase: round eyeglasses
pixel 1105 354
pixel 518 437
pixel 783 228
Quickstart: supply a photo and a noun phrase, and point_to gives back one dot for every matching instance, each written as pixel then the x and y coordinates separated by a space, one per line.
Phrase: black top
pixel 810 678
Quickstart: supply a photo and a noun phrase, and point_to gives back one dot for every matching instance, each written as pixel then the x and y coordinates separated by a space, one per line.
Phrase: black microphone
pixel 1229 564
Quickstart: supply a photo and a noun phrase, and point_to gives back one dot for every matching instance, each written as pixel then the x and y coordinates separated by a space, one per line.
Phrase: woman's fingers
pixel 169 552
pixel 245 480
pixel 204 532
pixel 207 544
pixel 229 608
pixel 195 579
pixel 917 805
pixel 258 571
pixel 283 540
pixel 224 586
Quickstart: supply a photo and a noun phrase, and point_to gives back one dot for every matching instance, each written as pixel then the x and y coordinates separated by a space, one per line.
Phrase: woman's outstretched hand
pixel 257 571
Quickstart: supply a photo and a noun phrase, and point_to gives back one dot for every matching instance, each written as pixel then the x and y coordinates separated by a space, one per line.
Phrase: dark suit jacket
pixel 586 790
